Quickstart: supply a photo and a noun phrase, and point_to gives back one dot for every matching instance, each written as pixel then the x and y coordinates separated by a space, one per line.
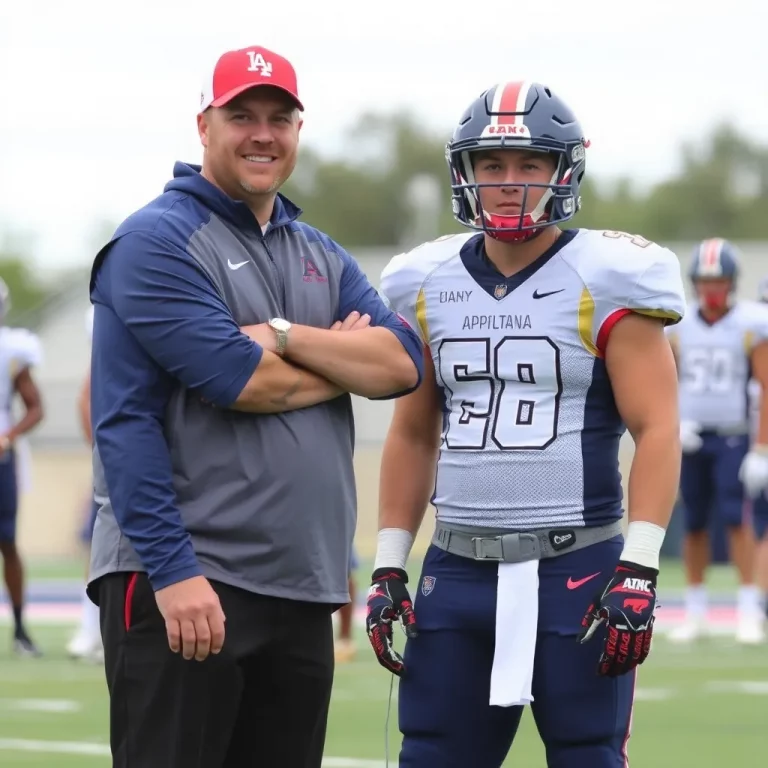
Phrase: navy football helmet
pixel 715 260
pixel 517 115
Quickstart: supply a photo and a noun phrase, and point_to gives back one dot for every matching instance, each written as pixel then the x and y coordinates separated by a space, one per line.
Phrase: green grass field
pixel 703 707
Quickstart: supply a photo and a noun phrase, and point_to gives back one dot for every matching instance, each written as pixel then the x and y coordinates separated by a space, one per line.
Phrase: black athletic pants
pixel 262 702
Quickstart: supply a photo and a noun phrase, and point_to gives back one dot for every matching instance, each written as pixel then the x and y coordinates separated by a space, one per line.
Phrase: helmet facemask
pixel 715 295
pixel 558 203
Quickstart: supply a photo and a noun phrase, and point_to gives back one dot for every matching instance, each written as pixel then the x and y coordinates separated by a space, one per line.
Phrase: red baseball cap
pixel 237 71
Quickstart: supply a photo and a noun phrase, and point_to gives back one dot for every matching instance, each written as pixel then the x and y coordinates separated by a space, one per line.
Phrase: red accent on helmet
pixel 507 229
pixel 715 300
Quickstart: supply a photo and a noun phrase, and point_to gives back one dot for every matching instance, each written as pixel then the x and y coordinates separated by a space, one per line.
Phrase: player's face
pixel 713 293
pixel 510 168
pixel 251 144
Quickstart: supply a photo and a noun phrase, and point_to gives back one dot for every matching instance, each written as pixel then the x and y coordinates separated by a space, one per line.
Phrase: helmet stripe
pixel 709 256
pixel 510 97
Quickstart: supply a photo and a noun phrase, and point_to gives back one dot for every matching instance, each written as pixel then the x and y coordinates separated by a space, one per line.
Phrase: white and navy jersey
pixel 713 362
pixel 531 432
pixel 19 349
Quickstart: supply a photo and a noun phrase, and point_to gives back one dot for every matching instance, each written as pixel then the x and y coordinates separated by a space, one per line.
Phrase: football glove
pixel 690 439
pixel 627 606
pixel 389 601
pixel 753 472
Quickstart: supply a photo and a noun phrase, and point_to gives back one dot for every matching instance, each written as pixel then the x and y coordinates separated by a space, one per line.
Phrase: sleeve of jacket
pixel 172 308
pixel 129 394
pixel 158 323
pixel 357 294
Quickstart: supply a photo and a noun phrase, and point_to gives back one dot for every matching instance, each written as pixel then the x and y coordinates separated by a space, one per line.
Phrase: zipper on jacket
pixel 278 274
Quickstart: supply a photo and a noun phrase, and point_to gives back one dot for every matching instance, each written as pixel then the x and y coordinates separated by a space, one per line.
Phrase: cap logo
pixel 257 64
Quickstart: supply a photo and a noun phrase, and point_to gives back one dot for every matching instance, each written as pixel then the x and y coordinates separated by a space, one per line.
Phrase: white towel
pixel 23 465
pixel 517 617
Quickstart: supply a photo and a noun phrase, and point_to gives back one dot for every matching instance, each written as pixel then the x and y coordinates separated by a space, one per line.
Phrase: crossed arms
pixel 381 359
pixel 320 366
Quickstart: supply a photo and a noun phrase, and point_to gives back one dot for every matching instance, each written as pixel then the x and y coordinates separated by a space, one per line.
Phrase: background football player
pixel 544 343
pixel 19 352
pixel 719 345
pixel 344 648
pixel 760 504
pixel 86 642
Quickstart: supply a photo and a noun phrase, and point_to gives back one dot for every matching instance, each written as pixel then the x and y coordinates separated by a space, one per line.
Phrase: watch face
pixel 280 324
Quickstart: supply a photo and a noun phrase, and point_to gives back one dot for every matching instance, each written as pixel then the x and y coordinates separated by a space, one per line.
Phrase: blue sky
pixel 100 99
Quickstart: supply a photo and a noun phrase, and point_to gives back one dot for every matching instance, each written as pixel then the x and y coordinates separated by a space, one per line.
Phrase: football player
pixel 86 642
pixel 760 504
pixel 344 647
pixel 544 343
pixel 720 344
pixel 20 351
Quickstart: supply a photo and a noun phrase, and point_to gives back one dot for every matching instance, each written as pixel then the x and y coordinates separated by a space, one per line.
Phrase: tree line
pixel 721 188
pixel 363 199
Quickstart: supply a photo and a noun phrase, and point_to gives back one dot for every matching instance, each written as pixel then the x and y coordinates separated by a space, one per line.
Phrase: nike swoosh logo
pixel 571 584
pixel 236 266
pixel 537 295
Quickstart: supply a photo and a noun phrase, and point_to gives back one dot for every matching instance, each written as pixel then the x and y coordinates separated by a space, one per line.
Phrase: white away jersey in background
pixel 530 432
pixel 713 364
pixel 19 349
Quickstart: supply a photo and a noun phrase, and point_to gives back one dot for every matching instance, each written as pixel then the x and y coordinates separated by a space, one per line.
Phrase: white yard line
pixel 55 747
pixel 41 705
pixel 102 750
pixel 653 694
pixel 750 687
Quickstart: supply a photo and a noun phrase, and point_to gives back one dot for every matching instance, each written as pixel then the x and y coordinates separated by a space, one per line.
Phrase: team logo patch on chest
pixel 500 291
pixel 311 272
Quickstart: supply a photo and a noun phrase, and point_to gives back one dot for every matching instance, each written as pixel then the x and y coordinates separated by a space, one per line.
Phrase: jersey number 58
pixel 509 393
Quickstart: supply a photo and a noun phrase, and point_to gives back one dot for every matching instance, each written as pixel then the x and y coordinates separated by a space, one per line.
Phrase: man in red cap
pixel 227 130
pixel 228 339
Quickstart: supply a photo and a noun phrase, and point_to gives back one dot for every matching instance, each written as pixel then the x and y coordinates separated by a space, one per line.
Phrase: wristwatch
pixel 280 326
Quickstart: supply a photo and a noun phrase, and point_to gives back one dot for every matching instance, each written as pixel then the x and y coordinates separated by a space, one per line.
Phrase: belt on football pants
pixel 519 546
pixel 736 430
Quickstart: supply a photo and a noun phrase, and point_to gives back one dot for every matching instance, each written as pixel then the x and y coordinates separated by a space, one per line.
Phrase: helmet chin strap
pixel 715 302
pixel 506 232
pixel 506 228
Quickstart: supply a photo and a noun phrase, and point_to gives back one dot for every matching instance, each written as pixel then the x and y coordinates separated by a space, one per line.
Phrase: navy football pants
pixel 709 480
pixel 760 516
pixel 9 497
pixel 444 714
